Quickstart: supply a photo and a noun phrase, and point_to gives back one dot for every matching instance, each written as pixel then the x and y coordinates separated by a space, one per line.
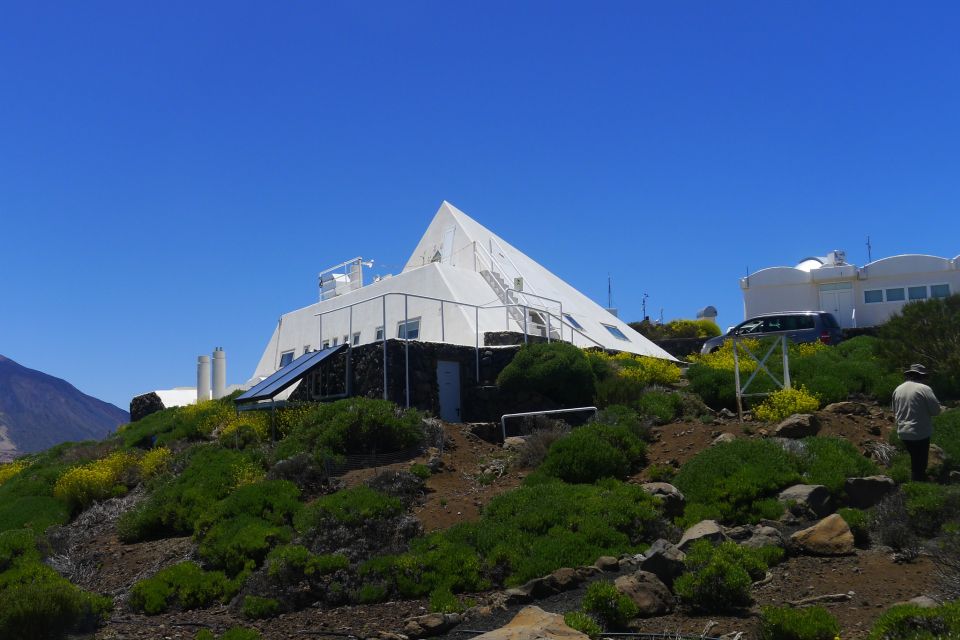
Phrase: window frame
pixel 288 355
pixel 912 298
pixel 940 284
pixel 378 334
pixel 573 322
pixel 868 291
pixel 356 338
pixel 404 324
pixel 615 332
pixel 902 290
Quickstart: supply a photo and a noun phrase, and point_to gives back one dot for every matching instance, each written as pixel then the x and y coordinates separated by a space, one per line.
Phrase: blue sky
pixel 174 175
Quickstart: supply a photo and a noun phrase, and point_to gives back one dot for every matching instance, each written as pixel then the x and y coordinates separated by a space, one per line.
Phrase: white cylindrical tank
pixel 219 373
pixel 203 378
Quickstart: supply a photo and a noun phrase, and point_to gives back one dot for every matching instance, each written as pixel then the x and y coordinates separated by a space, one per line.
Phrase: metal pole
pixel 384 300
pixel 786 362
pixel 320 337
pixel 525 333
pixel 548 327
pixel 476 322
pixel 443 329
pixel 406 353
pixel 736 380
pixel 346 370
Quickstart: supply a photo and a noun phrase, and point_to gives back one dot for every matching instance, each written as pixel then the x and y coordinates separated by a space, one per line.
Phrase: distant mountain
pixel 38 411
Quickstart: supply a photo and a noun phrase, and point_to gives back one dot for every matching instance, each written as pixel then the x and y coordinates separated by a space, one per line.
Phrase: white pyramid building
pixel 461 281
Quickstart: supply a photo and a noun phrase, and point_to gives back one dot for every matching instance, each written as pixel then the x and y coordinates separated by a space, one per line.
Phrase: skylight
pixel 573 322
pixel 616 333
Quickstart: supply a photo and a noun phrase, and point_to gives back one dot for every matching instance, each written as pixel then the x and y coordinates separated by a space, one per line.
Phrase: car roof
pixel 788 313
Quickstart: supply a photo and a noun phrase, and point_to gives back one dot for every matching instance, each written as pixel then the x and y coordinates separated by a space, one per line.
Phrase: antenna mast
pixel 869 253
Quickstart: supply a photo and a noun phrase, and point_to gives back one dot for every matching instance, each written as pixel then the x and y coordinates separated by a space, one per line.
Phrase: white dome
pixel 809 264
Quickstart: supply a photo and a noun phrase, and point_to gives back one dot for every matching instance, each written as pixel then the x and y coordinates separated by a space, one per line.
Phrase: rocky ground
pixel 865 582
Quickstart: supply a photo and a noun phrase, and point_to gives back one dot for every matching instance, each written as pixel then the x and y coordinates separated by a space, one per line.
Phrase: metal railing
pixel 525 414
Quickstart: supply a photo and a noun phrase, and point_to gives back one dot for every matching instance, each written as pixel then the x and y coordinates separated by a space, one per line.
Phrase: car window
pixel 804 322
pixel 751 326
pixel 773 324
pixel 829 321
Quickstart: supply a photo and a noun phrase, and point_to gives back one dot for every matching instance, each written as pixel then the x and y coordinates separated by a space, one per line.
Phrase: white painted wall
pixel 778 289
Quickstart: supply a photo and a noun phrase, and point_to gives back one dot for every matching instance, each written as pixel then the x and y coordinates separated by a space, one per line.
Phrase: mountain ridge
pixel 38 411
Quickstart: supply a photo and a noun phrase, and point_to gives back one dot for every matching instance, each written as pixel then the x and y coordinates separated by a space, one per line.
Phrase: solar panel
pixel 286 376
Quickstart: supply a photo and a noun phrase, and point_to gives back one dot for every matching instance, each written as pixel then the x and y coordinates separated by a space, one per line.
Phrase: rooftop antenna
pixel 869 253
pixel 609 291
pixel 645 296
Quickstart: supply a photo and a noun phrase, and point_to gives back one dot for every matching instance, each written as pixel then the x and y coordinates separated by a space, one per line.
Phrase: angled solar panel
pixel 286 376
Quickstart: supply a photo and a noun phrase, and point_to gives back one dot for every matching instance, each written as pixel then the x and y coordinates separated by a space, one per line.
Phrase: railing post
pixel 548 327
pixel 476 322
pixel 736 380
pixel 347 387
pixel 443 329
pixel 406 335
pixel 786 363
pixel 525 331
pixel 384 300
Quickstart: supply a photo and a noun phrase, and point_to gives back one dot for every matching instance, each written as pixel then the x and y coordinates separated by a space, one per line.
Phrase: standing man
pixel 914 406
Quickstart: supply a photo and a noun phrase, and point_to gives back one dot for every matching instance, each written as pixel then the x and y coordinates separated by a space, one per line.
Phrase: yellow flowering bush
pixel 722 358
pixel 209 415
pixel 155 461
pixel 10 469
pixel 786 402
pixel 80 486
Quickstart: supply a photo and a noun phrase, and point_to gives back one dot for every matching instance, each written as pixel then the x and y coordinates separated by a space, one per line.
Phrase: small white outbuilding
pixel 461 282
pixel 857 296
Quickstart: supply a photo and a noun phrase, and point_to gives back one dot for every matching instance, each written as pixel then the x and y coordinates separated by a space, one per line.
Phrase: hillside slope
pixel 38 411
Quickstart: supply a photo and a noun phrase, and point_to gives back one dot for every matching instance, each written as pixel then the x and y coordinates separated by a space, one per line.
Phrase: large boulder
pixel 765 536
pixel 651 596
pixel 533 623
pixel 799 425
pixel 663 560
pixel 829 537
pixel 867 492
pixel 431 624
pixel 848 408
pixel 814 498
pixel 668 495
pixel 703 530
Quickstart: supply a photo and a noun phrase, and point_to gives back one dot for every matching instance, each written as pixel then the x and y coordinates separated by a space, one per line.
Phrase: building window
pixel 379 333
pixel 356 338
pixel 335 342
pixel 616 333
pixel 286 358
pixel 917 293
pixel 409 330
pixel 939 290
pixel 873 295
pixel 895 295
pixel 573 322
pixel 326 344
pixel 306 348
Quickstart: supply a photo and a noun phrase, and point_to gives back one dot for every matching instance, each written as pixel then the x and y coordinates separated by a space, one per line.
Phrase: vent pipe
pixel 203 378
pixel 219 373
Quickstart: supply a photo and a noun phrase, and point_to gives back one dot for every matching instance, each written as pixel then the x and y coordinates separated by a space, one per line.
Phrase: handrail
pixel 503 418
pixel 506 255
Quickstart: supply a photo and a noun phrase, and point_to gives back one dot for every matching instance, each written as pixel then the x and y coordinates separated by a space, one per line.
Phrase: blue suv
pixel 799 326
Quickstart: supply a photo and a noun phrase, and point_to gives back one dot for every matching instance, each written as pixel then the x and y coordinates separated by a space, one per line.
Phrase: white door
pixel 448 382
pixel 837 298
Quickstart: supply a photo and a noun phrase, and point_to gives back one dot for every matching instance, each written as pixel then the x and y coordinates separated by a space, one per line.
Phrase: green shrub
pixel 623 377
pixel 663 406
pixel 700 328
pixel 35 601
pixel 240 543
pixel 859 525
pixel 292 563
pixel 193 422
pixel 211 474
pixel 442 600
pixel 592 452
pixel 256 608
pixel 422 471
pixel 185 585
pixel 349 426
pixel 910 622
pixel 611 607
pixel 661 473
pixel 719 577
pixel 830 461
pixel 556 370
pixel 371 594
pixel 717 386
pixel 946 435
pixel 928 332
pixel 619 389
pixel 580 621
pixel 204 634
pixel 786 623
pixel 618 415
pixel 736 482
pixel 35 512
pixel 929 506
pixel 350 507
pixel 524 534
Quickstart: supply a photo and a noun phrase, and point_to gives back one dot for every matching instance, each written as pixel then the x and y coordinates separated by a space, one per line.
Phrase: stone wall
pixel 480 400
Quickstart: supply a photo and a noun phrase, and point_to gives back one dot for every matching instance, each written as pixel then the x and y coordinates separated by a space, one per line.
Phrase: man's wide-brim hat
pixel 917 369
